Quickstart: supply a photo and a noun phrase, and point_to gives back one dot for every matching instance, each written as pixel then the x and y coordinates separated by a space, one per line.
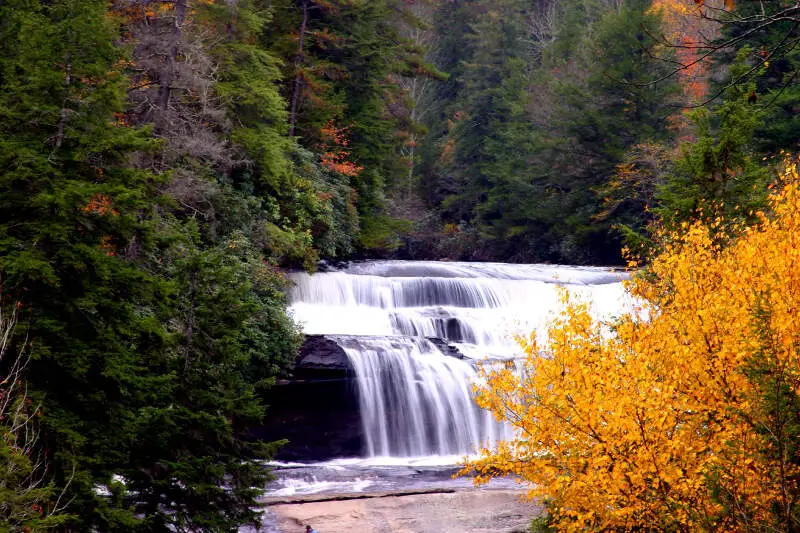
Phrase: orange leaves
pixel 100 205
pixel 336 162
pixel 121 120
pixel 688 31
pixel 334 155
pixel 107 245
pixel 337 136
pixel 448 151
pixel 656 421
pixel 693 76
pixel 325 39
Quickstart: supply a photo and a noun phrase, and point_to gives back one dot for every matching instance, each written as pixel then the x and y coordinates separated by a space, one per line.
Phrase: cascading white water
pixel 416 401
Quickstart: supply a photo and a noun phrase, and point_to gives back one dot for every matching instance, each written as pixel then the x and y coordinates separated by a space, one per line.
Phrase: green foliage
pixel 719 172
pixel 335 223
pixel 542 524
pixel 70 206
pixel 154 325
pixel 612 107
pixel 771 49
pixel 344 79
pixel 490 134
pixel 532 136
pixel 383 232
pixel 229 337
pixel 22 506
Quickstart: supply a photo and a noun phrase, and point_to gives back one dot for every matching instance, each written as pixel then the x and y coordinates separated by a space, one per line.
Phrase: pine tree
pixel 605 103
pixel 492 136
pixel 71 233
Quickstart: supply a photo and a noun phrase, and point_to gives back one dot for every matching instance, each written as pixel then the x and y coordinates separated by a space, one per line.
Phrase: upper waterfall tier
pixel 442 269
pixel 479 304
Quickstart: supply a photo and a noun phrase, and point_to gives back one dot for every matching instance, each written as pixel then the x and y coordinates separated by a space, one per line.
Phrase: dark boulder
pixel 321 358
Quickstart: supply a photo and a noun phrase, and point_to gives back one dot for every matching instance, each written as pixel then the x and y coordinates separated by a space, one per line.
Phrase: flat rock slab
pixel 464 511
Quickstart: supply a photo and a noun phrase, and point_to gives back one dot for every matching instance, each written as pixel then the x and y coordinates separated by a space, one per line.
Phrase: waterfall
pixel 415 400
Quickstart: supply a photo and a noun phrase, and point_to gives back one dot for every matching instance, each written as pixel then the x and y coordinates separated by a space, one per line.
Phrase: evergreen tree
pixel 70 232
pixel 605 103
pixel 340 57
pixel 492 134
pixel 719 173
pixel 150 337
pixel 770 37
pixel 539 113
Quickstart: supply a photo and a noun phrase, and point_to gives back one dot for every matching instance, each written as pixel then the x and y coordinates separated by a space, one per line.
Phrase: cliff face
pixel 317 410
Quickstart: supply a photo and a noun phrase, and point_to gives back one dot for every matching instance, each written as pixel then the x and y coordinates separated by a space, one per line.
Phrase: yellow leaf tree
pixel 682 416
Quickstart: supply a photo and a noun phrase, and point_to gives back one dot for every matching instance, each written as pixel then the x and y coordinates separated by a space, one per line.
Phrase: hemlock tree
pixel 70 231
pixel 720 173
pixel 596 101
pixel 491 136
pixel 536 115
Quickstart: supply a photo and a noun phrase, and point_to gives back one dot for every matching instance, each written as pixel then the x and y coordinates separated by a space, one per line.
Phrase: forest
pixel 164 162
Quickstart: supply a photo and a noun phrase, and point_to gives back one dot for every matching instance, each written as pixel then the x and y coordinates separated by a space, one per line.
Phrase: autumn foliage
pixel 688 31
pixel 335 153
pixel 682 416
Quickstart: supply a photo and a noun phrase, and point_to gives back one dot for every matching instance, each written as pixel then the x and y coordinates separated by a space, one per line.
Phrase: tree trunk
pixel 298 79
pixel 168 74
pixel 412 140
pixel 62 121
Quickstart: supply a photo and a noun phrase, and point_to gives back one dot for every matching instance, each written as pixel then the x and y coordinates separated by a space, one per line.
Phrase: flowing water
pixel 416 401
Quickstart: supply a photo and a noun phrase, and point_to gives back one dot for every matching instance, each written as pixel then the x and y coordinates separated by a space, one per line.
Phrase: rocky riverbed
pixel 457 511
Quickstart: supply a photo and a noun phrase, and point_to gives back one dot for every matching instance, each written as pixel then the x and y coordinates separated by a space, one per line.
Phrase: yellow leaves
pixel 641 428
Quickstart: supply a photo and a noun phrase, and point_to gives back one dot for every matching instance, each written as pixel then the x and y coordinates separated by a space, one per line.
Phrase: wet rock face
pixel 317 410
pixel 446 348
pixel 320 420
pixel 322 356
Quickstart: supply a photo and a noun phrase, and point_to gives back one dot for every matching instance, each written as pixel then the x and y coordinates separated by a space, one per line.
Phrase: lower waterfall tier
pixel 416 401
pixel 378 396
